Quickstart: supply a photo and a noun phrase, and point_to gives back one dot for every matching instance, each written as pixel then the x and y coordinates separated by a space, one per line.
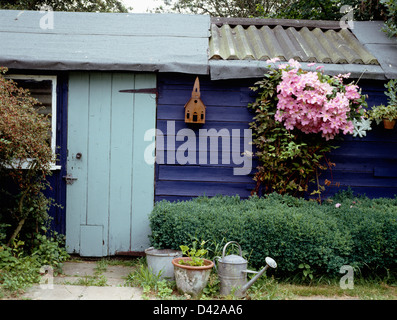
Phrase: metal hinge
pixel 69 178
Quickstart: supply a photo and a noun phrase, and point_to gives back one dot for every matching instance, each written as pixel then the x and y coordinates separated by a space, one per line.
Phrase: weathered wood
pixel 109 203
pixel 366 164
pixel 297 23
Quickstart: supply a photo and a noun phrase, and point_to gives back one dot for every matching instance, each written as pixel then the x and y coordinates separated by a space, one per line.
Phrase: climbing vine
pixel 297 116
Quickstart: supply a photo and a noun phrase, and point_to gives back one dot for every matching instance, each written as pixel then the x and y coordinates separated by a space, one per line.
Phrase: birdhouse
pixel 195 108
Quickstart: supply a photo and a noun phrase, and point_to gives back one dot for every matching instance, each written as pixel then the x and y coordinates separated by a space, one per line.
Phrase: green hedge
pixel 360 232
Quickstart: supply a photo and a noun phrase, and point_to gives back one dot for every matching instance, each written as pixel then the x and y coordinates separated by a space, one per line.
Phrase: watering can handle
pixel 214 261
pixel 230 242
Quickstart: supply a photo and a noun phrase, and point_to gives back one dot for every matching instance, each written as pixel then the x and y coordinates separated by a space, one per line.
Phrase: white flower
pixel 361 127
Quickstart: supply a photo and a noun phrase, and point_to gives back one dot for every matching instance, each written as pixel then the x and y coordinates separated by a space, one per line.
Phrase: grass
pixel 268 288
pixel 366 290
pixel 265 288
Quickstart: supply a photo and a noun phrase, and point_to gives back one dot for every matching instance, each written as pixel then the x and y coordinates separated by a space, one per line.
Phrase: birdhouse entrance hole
pixel 195 108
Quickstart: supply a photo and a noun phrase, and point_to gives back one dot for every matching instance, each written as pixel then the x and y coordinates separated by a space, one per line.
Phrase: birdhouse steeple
pixel 195 108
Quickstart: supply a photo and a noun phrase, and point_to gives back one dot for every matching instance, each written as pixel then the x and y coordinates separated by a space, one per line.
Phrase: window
pixel 43 88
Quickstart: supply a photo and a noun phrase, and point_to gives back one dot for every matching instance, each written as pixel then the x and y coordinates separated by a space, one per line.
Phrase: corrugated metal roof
pixel 263 42
pixel 105 41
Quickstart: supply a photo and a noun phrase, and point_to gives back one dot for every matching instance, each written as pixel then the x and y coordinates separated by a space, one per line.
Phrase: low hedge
pixel 344 230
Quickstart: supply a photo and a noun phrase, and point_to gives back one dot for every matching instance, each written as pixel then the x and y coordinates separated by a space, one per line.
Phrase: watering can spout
pixel 269 263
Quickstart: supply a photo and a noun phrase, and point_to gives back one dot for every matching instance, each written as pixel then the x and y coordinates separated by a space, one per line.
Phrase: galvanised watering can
pixel 232 272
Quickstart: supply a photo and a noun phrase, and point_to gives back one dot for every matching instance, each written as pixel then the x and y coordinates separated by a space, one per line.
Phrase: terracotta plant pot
pixel 389 124
pixel 192 279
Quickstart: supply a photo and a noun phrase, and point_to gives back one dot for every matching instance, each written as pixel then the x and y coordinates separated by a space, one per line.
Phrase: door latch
pixel 69 178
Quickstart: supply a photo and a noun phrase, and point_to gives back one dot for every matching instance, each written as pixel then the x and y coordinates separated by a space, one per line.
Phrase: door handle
pixel 69 178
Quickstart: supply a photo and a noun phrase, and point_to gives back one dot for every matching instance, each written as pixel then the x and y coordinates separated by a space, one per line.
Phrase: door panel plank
pixel 143 173
pixel 76 194
pixel 121 164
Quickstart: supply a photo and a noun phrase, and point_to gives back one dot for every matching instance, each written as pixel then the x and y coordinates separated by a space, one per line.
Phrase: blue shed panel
pixel 367 165
pixel 226 114
pixel 58 184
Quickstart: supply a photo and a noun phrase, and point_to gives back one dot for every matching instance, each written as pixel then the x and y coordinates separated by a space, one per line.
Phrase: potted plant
pixel 387 114
pixel 192 271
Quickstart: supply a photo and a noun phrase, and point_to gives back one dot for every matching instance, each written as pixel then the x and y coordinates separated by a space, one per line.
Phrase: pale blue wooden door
pixel 111 190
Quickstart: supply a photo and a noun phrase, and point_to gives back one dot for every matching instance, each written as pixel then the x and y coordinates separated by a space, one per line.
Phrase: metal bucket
pixel 161 260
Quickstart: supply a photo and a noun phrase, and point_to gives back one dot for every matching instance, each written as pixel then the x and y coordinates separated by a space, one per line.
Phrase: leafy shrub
pixel 359 232
pixel 20 265
pixel 25 157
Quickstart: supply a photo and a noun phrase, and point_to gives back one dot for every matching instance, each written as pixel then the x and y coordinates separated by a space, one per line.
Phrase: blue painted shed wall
pixel 58 184
pixel 367 165
pixel 226 108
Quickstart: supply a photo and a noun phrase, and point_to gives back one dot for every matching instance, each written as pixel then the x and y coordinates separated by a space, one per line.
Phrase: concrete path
pixel 80 281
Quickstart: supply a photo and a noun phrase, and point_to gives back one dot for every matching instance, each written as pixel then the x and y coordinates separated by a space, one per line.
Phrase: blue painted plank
pixel 121 163
pixel 213 113
pixel 201 173
pixel 99 133
pixel 76 201
pixel 363 179
pixel 193 188
pixel 369 149
pixel 143 172
pixel 386 172
pixel 165 125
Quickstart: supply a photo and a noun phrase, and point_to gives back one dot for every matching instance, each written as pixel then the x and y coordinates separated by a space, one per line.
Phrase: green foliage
pixel 68 5
pixel 25 157
pixel 221 8
pixel 288 160
pixel 20 265
pixel 17 271
pixel 391 92
pixel 328 10
pixel 141 276
pixel 390 26
pixel 306 271
pixel 389 112
pixel 282 9
pixel 360 232
pixel 378 113
pixel 50 250
pixel 196 255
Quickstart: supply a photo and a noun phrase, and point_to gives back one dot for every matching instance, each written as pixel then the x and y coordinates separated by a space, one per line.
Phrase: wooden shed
pixel 119 84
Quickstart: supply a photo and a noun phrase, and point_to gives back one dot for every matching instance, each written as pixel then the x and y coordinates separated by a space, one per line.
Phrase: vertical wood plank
pixel 98 151
pixel 143 173
pixel 76 194
pixel 121 164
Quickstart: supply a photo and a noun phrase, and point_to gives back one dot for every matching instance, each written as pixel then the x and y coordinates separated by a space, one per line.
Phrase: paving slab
pixel 73 292
pixel 68 285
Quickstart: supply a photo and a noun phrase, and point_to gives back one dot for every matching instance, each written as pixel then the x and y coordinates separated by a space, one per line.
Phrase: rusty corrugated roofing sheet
pixel 263 42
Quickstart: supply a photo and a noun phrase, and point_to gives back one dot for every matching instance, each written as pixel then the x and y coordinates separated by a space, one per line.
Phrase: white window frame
pixel 53 106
